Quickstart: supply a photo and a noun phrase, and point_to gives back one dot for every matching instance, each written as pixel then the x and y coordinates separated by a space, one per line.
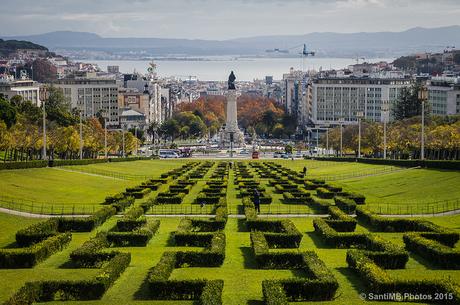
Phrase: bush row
pixel 65 290
pixel 320 286
pixel 385 224
pixel 380 282
pixel 169 198
pixel 384 252
pixel 432 250
pixel 86 224
pixel 28 257
pixel 136 238
pixel 345 204
pixel 324 193
pixel 340 221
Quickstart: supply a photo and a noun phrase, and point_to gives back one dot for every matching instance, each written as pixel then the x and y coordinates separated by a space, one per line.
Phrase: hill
pixel 8 47
pixel 370 44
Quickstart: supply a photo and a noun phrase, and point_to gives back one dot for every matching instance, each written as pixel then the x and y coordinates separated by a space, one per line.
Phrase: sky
pixel 221 19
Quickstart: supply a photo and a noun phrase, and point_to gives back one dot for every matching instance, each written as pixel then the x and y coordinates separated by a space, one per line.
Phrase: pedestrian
pixel 304 171
pixel 257 200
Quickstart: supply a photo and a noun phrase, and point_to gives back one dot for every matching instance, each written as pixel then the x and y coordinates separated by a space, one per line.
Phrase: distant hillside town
pixel 313 98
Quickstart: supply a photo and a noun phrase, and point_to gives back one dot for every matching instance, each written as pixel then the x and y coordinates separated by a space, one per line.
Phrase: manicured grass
pixel 240 273
pixel 402 192
pixel 150 168
pixel 242 278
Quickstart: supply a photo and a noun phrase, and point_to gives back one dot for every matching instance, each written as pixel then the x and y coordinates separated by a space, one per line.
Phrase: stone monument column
pixel 231 136
pixel 231 124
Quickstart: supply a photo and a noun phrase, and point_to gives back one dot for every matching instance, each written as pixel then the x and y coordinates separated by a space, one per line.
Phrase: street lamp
pixel 81 137
pixel 385 111
pixel 44 131
pixel 341 121
pixel 231 144
pixel 123 139
pixel 359 115
pixel 423 97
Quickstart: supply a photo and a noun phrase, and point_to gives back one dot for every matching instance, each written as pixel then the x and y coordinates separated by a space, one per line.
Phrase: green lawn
pixel 242 278
pixel 240 273
pixel 400 192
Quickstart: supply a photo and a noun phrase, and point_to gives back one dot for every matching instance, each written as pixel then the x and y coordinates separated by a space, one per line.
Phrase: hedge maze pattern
pixel 275 243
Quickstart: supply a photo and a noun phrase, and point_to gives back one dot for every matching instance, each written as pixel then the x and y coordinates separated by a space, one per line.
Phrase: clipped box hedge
pixel 86 224
pixel 425 245
pixel 136 238
pixel 28 257
pixel 380 282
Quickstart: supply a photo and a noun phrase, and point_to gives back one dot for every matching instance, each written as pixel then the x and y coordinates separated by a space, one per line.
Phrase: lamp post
pixel 135 135
pixel 81 138
pixel 385 111
pixel 423 97
pixel 231 144
pixel 123 139
pixel 327 141
pixel 44 131
pixel 341 136
pixel 105 136
pixel 359 115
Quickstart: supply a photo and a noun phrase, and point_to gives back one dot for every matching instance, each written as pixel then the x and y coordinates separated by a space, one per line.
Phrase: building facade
pixel 336 100
pixel 91 96
pixel 295 96
pixel 28 89
pixel 444 96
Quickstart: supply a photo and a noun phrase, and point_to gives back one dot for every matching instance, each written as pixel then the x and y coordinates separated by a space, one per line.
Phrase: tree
pixel 170 128
pixel 408 104
pixel 44 71
pixel 8 113
pixel 57 108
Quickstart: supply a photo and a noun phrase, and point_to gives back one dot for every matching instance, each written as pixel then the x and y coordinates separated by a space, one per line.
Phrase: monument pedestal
pixel 231 135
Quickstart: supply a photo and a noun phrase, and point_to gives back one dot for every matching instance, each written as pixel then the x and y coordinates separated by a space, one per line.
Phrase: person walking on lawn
pixel 257 200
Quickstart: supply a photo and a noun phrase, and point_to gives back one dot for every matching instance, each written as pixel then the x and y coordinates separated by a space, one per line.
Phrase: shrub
pixel 136 238
pixel 345 204
pixel 380 282
pixel 86 224
pixel 324 193
pixel 23 165
pixel 432 250
pixel 169 198
pixel 30 256
pixel 37 232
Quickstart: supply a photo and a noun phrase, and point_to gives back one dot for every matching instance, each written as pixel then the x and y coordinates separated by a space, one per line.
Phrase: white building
pixel 444 95
pixel 336 99
pixel 28 89
pixel 91 95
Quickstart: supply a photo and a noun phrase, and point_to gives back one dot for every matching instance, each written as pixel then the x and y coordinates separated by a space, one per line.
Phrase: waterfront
pixel 246 69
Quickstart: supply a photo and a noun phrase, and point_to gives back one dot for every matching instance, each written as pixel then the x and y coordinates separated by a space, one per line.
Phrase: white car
pixel 167 154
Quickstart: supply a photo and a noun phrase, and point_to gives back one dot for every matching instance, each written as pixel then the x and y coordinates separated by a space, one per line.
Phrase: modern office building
pixel 92 95
pixel 28 89
pixel 340 99
pixel 295 95
pixel 444 95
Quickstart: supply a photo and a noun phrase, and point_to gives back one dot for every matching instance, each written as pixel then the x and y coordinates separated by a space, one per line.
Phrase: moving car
pixel 255 155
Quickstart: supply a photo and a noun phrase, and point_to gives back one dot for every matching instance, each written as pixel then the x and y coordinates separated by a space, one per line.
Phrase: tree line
pixel 21 131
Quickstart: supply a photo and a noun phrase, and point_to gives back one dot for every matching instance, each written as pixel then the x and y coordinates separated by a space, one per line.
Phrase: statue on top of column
pixel 231 81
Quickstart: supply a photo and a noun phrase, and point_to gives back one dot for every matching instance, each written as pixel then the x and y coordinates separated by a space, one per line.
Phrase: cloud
pixel 221 19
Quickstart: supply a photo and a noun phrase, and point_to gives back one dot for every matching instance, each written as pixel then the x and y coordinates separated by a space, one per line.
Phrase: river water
pixel 218 68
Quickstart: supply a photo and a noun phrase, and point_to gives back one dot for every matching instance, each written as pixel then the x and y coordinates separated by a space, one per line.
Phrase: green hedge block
pixel 345 204
pixel 30 256
pixel 136 238
pixel 324 193
pixel 37 232
pixel 23 165
pixel 86 224
pixel 438 254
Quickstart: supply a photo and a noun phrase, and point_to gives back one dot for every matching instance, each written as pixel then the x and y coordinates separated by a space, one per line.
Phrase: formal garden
pixel 188 232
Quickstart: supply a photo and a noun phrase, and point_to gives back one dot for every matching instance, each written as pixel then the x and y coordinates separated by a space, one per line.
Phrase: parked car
pixel 168 154
pixel 277 154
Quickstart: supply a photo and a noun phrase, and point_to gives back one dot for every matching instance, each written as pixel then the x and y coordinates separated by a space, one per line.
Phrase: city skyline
pixel 205 19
